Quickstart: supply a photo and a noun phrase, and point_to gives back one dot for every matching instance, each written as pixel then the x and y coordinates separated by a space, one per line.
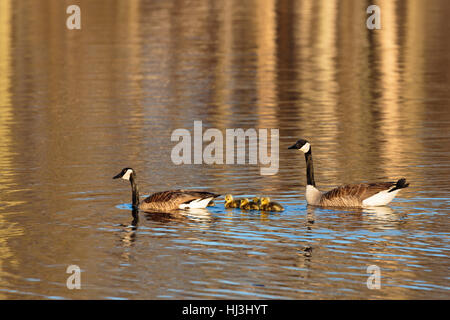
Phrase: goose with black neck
pixel 166 200
pixel 350 195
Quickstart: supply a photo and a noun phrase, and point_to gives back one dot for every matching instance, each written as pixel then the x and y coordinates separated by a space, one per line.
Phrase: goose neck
pixel 134 190
pixel 309 169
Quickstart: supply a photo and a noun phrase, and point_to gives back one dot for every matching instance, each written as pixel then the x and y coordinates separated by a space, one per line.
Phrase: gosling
pixel 230 203
pixel 247 205
pixel 267 205
pixel 255 204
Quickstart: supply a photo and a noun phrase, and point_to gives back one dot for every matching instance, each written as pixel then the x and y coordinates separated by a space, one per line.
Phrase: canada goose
pixel 166 200
pixel 267 205
pixel 231 203
pixel 351 195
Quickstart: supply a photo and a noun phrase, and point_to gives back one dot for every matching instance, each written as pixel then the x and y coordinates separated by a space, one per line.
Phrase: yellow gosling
pixel 230 203
pixel 255 204
pixel 245 204
pixel 267 205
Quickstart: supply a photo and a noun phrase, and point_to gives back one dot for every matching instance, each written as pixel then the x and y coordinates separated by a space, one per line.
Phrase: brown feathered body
pixel 175 199
pixel 353 195
pixel 356 195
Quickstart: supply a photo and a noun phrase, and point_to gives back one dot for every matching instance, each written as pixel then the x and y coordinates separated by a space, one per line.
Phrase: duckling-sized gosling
pixel 211 204
pixel 255 204
pixel 266 205
pixel 230 203
pixel 245 204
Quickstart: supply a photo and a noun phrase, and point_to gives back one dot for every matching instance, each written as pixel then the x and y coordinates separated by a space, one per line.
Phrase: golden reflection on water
pixel 8 230
pixel 5 97
pixel 76 106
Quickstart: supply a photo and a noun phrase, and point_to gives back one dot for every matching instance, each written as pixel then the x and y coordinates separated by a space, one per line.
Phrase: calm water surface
pixel 78 106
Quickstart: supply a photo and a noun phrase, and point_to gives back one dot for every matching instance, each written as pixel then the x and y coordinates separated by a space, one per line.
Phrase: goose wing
pixel 354 194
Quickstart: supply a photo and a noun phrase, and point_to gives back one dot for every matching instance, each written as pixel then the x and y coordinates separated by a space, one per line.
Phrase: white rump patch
pixel 127 174
pixel 305 147
pixel 196 204
pixel 381 198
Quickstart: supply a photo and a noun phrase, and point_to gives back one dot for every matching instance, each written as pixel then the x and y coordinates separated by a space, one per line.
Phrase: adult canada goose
pixel 351 195
pixel 166 200
pixel 267 205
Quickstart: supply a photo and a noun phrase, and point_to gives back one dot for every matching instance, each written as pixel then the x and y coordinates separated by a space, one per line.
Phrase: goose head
pixel 244 202
pixel 124 174
pixel 301 145
pixel 265 201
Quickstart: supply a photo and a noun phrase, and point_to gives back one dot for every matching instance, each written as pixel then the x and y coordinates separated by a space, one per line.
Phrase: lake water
pixel 76 106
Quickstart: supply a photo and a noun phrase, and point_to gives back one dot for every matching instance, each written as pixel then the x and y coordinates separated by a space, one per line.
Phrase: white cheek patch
pixel 305 147
pixel 127 174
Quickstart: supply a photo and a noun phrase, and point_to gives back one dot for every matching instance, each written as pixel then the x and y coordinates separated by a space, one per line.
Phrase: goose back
pixel 173 199
pixel 353 195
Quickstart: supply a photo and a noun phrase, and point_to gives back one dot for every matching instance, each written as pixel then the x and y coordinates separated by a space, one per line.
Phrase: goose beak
pixel 118 176
pixel 293 147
